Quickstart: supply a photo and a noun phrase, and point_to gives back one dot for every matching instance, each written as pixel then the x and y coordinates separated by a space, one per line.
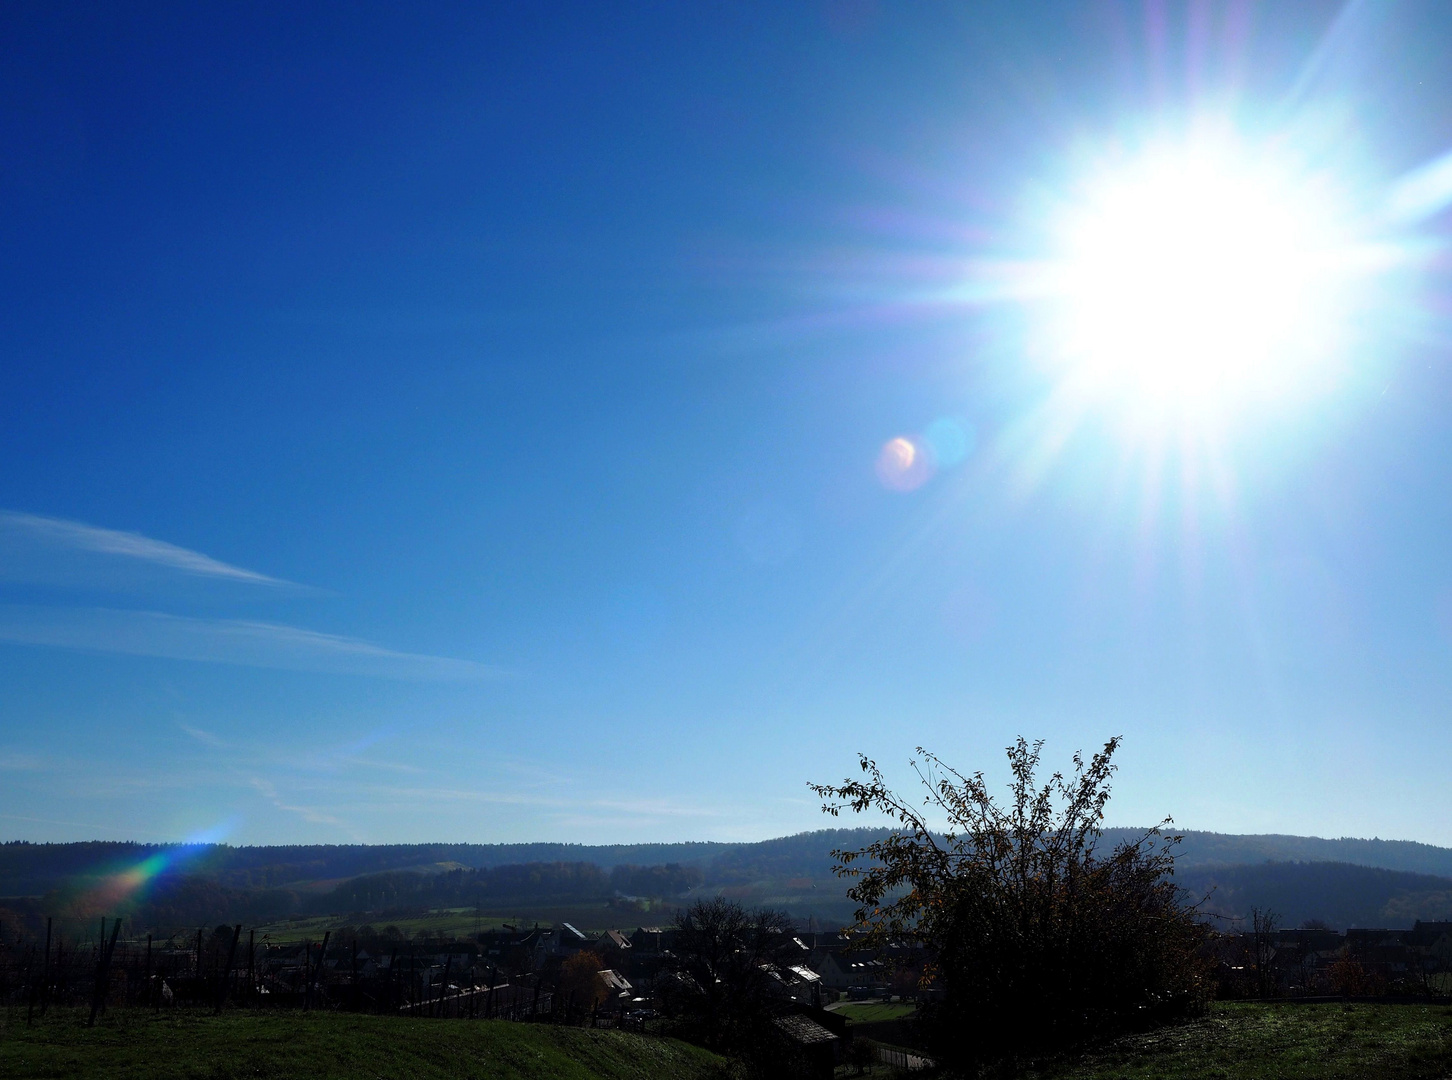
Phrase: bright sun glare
pixel 1200 277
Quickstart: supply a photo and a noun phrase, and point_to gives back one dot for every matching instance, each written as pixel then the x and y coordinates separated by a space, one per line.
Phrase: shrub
pixel 1036 938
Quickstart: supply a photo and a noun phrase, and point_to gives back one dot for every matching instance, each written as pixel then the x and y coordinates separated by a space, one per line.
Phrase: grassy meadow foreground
pixel 1235 1042
pixel 135 1044
pixel 1244 1041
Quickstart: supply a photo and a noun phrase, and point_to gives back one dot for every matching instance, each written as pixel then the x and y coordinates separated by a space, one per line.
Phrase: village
pixel 626 976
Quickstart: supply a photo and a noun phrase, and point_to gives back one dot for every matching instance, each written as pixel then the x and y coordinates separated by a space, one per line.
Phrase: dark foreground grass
pixel 136 1044
pixel 1240 1041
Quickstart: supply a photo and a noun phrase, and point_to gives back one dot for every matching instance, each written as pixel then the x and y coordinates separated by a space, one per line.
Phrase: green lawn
pixel 866 1012
pixel 139 1045
pixel 1283 1042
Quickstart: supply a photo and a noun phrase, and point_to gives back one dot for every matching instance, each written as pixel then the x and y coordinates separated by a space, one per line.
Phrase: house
pixel 800 983
pixel 1309 939
pixel 616 990
pixel 564 940
pixel 652 939
pixel 844 970
pixel 1431 936
pixel 1383 952
pixel 613 944
pixel 826 941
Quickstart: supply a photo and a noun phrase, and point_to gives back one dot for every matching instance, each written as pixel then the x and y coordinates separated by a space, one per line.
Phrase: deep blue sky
pixel 491 400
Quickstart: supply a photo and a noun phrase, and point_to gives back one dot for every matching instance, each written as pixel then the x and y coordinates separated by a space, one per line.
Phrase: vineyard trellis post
pixel 103 970
pixel 225 975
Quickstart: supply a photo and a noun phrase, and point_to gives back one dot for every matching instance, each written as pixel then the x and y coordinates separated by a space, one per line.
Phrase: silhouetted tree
pixel 1036 937
pixel 1263 924
pixel 728 998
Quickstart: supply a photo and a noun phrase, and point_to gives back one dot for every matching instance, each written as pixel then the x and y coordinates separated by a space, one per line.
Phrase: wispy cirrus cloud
pixel 311 814
pixel 228 641
pixel 206 738
pixel 32 542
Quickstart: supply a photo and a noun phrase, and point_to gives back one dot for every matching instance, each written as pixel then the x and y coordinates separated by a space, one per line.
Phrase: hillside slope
pixel 1339 894
pixel 33 869
pixel 138 1045
pixel 1347 882
pixel 1280 1042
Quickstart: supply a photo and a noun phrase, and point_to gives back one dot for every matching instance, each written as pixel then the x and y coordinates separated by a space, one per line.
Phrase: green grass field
pixel 1283 1042
pixel 139 1045
pixel 866 1012
pixel 1236 1042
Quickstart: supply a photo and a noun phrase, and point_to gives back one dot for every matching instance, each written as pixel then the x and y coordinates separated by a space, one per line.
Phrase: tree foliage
pixel 727 997
pixel 579 984
pixel 1034 935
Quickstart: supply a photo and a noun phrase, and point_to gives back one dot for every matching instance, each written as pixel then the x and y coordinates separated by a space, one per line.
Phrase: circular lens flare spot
pixel 902 465
pixel 950 440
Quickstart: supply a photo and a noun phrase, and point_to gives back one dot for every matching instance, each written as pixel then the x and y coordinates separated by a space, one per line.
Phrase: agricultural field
pixel 466 921
pixel 140 1045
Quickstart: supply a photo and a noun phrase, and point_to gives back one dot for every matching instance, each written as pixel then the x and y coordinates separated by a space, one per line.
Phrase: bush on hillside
pixel 1036 938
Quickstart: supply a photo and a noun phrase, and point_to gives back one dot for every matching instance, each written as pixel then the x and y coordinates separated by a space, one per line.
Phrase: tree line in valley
pixel 29 869
pixel 189 899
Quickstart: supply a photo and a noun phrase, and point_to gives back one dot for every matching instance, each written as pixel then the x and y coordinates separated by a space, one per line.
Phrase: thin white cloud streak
pixel 226 641
pixel 206 738
pixel 586 807
pixel 58 533
pixel 307 813
pixel 384 766
pixel 72 824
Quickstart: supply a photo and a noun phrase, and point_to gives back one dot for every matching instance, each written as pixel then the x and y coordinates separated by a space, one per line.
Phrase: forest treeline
pixel 28 869
pixel 184 899
pixel 217 883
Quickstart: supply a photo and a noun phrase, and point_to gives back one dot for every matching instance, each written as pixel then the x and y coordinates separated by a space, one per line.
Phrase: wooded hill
pixel 1346 882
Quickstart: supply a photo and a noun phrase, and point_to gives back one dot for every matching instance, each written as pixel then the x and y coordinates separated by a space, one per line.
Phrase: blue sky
pixel 442 423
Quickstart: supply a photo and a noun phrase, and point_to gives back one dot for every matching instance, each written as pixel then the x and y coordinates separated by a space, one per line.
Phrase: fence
pixel 903 1059
pixel 227 968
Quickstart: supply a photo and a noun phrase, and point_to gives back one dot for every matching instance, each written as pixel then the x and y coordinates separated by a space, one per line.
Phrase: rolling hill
pixel 1345 881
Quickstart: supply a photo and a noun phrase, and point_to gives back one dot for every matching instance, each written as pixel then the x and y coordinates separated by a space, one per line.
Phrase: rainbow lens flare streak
pixel 119 887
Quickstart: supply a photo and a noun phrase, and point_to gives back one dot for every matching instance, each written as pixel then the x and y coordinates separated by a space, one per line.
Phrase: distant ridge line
pixel 25 865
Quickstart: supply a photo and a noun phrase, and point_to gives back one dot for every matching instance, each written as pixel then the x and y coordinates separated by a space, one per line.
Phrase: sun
pixel 1198 278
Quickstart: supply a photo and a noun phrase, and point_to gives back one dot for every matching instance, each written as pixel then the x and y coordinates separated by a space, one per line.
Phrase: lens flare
pixel 902 465
pixel 950 441
pixel 127 882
